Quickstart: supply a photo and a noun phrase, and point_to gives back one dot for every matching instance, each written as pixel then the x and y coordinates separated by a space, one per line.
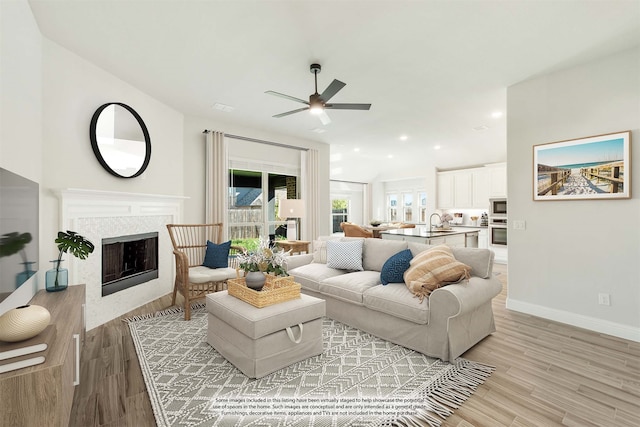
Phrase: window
pixel 392 207
pixel 407 206
pixel 339 213
pixel 422 199
pixel 252 214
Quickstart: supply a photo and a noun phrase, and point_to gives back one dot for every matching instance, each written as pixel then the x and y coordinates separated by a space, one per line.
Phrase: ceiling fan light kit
pixel 318 103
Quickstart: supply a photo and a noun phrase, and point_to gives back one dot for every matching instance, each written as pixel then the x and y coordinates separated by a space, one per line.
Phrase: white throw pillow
pixel 320 251
pixel 345 255
pixel 320 248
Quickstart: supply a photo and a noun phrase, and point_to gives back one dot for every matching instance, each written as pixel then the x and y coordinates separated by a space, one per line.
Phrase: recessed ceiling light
pixel 356 149
pixel 403 137
pixel 318 130
pixel 496 114
pixel 436 147
pixel 480 128
pixel 390 156
pixel 223 107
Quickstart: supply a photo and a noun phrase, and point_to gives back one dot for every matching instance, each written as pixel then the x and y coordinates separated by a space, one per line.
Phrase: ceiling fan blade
pixel 282 95
pixel 291 112
pixel 324 118
pixel 331 90
pixel 348 106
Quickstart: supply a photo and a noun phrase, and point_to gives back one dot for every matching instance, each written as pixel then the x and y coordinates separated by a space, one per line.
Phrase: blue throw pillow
pixel 394 268
pixel 217 256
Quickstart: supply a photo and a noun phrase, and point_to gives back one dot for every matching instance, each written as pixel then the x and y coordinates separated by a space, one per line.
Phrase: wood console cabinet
pixel 42 395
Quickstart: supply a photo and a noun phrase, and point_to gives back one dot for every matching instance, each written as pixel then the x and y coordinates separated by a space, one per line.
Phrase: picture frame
pixel 595 167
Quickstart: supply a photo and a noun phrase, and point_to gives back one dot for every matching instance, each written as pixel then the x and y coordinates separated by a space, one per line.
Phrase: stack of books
pixel 18 355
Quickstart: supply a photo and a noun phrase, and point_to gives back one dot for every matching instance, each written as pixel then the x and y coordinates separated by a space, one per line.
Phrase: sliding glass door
pixel 253 205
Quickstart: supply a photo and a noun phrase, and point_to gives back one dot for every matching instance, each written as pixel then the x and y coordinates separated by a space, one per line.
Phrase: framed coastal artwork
pixel 596 167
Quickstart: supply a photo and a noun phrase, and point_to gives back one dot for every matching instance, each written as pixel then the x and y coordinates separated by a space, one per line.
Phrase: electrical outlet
pixel 519 224
pixel 604 299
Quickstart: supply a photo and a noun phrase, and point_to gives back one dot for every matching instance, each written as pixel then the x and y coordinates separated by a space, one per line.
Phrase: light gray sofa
pixel 445 325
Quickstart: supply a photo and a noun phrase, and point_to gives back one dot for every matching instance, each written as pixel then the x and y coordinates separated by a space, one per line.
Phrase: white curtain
pixel 309 176
pixel 217 176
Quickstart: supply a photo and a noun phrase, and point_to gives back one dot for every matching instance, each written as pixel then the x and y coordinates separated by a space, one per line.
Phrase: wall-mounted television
pixel 19 237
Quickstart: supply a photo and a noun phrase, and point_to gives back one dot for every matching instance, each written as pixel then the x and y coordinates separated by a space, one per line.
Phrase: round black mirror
pixel 120 140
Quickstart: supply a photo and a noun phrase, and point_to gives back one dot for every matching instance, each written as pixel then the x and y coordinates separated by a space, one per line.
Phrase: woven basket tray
pixel 275 290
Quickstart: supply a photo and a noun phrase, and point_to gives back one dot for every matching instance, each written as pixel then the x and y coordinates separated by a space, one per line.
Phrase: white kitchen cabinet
pixel 455 240
pixel 414 235
pixel 463 189
pixel 498 181
pixel 445 190
pixel 471 188
pixel 481 185
pixel 483 238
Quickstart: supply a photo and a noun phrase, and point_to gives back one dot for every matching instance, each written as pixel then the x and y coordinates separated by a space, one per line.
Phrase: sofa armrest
pixel 464 297
pixel 459 317
pixel 294 261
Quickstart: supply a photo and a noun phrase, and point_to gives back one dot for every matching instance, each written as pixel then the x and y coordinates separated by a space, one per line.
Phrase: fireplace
pixel 128 261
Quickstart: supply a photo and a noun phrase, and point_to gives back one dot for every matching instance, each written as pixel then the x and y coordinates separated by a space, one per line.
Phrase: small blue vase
pixel 57 278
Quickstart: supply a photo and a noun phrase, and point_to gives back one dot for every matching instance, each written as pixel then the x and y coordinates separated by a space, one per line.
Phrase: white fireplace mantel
pixel 98 215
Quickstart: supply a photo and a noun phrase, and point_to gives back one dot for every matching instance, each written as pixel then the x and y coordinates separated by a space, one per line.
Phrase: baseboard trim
pixel 578 320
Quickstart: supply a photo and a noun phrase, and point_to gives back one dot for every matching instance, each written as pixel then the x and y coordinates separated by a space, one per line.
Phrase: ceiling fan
pixel 318 103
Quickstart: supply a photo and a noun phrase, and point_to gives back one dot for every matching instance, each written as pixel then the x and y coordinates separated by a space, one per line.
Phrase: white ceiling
pixel 433 70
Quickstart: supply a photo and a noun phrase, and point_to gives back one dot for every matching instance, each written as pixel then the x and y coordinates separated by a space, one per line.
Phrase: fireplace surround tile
pixel 99 215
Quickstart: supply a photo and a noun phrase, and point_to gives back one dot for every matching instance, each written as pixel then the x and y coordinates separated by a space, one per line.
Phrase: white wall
pixel 194 163
pixel 21 110
pixel 73 89
pixel 573 250
pixel 48 96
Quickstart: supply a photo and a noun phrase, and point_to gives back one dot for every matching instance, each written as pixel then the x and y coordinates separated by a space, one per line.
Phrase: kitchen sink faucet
pixel 431 220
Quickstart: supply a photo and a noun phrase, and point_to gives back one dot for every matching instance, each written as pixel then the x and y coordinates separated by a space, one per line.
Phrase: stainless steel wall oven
pixel 498 222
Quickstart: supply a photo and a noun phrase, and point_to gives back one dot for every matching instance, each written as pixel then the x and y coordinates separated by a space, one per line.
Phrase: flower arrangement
pixel 265 259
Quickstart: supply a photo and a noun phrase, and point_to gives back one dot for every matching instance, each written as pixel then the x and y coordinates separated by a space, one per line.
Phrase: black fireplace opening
pixel 128 261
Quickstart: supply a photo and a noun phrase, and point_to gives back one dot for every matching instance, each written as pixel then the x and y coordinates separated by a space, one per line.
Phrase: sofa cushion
pixel 432 269
pixel 396 300
pixel 377 251
pixel 320 248
pixel 202 274
pixel 217 256
pixel 416 248
pixel 350 287
pixel 480 260
pixel 345 255
pixel 394 268
pixel 310 275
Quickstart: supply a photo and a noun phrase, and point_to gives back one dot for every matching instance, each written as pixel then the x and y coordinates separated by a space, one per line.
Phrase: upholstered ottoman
pixel 259 341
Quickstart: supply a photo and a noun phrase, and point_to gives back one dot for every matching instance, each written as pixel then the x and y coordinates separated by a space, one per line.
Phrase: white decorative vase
pixel 24 322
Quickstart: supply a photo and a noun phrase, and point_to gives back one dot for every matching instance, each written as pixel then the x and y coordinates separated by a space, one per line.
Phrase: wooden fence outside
pixel 558 177
pixel 612 173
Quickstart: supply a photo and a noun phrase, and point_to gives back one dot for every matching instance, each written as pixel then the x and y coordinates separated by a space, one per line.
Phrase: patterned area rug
pixel 359 380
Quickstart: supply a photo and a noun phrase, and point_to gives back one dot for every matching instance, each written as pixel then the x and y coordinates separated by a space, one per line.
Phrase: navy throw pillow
pixel 394 268
pixel 217 256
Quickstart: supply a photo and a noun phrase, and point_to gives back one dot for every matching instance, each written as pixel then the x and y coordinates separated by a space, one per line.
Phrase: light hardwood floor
pixel 547 374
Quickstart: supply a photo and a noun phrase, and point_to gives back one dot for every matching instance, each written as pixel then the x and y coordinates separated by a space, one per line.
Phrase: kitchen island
pixel 454 237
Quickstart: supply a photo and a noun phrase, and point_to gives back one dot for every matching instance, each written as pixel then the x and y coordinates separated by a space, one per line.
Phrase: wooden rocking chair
pixel 194 280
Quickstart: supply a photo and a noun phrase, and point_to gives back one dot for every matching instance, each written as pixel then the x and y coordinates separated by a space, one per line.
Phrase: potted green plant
pixel 78 246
